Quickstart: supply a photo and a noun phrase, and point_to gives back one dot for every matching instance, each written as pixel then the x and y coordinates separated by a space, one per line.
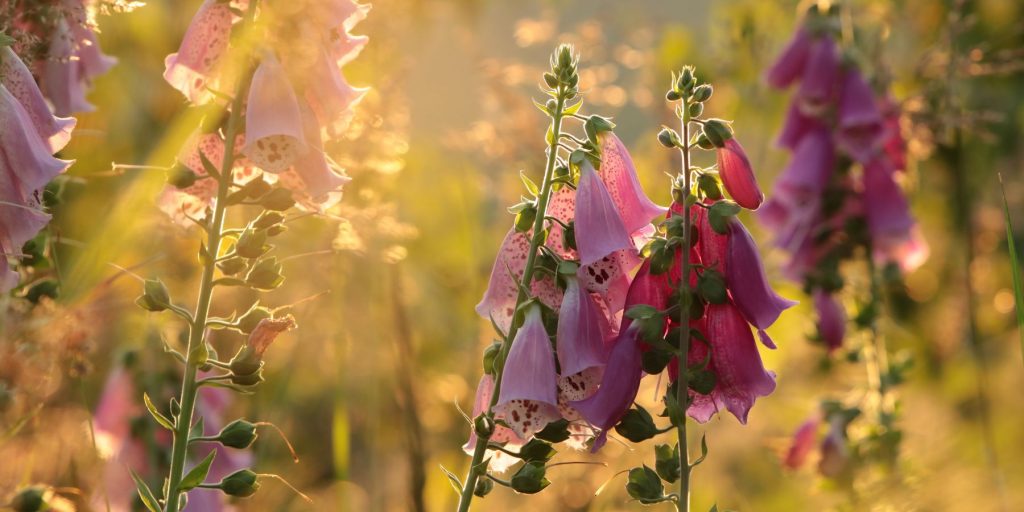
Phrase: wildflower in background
pixel 74 61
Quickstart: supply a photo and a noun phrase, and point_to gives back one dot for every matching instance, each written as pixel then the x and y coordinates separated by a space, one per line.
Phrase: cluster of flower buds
pixel 842 188
pixel 298 98
pixel 29 136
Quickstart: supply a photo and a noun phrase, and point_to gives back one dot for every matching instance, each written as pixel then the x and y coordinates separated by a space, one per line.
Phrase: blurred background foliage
pixel 367 387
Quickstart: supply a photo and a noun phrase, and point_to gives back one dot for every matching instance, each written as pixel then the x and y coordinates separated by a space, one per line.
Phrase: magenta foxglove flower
pixel 499 301
pixel 738 175
pixel 500 461
pixel 804 439
pixel 821 76
pixel 582 331
pixel 618 388
pixel 893 230
pixel 620 177
pixel 831 319
pixel 735 361
pixel 609 277
pixel 528 399
pixel 194 69
pixel 861 125
pixel 796 125
pixel 811 167
pixel 748 284
pixel 599 228
pixel 274 130
pixel 18 81
pixel 790 64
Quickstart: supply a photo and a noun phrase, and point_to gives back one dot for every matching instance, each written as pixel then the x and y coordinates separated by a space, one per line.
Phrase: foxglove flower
pixel 736 362
pixel 796 125
pixel 528 400
pixel 831 319
pixel 195 68
pixel 582 331
pixel 893 230
pixel 18 81
pixel 619 386
pixel 499 301
pixel 273 123
pixel 599 228
pixel 623 184
pixel 267 330
pixel 118 408
pixel 821 76
pixel 860 122
pixel 790 64
pixel 804 439
pixel 500 461
pixel 738 176
pixel 74 60
pixel 747 282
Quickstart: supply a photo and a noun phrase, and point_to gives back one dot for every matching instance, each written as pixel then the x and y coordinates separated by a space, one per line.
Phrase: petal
pixel 831 319
pixel 528 399
pixel 329 94
pixel 499 300
pixel 860 122
pixel 561 206
pixel 273 121
pixel 620 178
pixel 619 386
pixel 319 184
pixel 29 157
pixel 599 228
pixel 18 80
pixel 791 61
pixel 738 175
pixel 580 335
pixel 811 167
pixel 609 277
pixel 747 281
pixel 797 125
pixel 194 67
pixel 821 76
pixel 894 232
pixel 62 81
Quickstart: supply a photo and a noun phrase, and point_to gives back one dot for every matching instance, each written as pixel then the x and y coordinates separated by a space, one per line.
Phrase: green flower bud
pixel 251 318
pixel 644 485
pixel 525 218
pixel 537 451
pixel 483 487
pixel 180 177
pixel 551 80
pixel 490 355
pixel 717 132
pixel 245 363
pixel 242 483
pixel 238 434
pixel 232 266
pixel 278 200
pixel 252 243
pixel 155 296
pixel 668 138
pixel 696 109
pixel 667 462
pixel 530 478
pixel 673 96
pixel 31 499
pixel 708 185
pixel 265 274
pixel 267 220
pixel 702 93
pixel 483 425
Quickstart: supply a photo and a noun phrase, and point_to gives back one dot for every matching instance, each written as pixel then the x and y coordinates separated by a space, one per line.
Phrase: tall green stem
pixel 477 468
pixel 683 381
pixel 197 331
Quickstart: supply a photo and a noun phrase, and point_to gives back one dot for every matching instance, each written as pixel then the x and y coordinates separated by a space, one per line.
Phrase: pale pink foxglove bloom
pixel 599 228
pixel 748 284
pixel 316 181
pixel 738 175
pixel 561 206
pixel 619 385
pixel 821 76
pixel 274 131
pixel 790 64
pixel 119 405
pixel 330 96
pixel 623 184
pixel 499 300
pixel 804 440
pixel 18 81
pixel 528 399
pixel 735 360
pixel 74 60
pixel 582 331
pixel 831 319
pixel 609 277
pixel 500 461
pixel 894 233
pixel 860 122
pixel 194 68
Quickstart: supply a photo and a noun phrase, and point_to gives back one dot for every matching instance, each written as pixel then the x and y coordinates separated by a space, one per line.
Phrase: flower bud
pixel 483 487
pixel 490 355
pixel 702 93
pixel 525 218
pixel 483 425
pixel 537 450
pixel 251 318
pixel 252 243
pixel 245 363
pixel 696 109
pixel 673 96
pixel 530 478
pixel 717 131
pixel 265 274
pixel 668 138
pixel 685 79
pixel 278 200
pixel 644 485
pixel 637 425
pixel 181 177
pixel 667 462
pixel 238 434
pixel 232 266
pixel 704 142
pixel 267 220
pixel 242 483
pixel 30 499
pixel 551 80
pixel 154 296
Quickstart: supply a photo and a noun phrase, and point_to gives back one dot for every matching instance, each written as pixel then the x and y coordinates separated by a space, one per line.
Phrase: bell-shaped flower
pixel 834 454
pixel 861 125
pixel 647 288
pixel 804 440
pixel 748 284
pixel 528 399
pixel 329 94
pixel 609 277
pixel 796 125
pixel 500 461
pixel 18 80
pixel 738 175
pixel 623 184
pixel 582 331
pixel 894 233
pixel 562 207
pixel 821 76
pixel 599 228
pixel 194 69
pixel 499 301
pixel 619 386
pixel 312 177
pixel 74 60
pixel 811 167
pixel 735 361
pixel 831 319
pixel 274 130
pixel 790 64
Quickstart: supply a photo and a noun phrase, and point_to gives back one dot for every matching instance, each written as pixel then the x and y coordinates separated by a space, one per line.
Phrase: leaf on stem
pixel 160 418
pixel 197 474
pixel 148 499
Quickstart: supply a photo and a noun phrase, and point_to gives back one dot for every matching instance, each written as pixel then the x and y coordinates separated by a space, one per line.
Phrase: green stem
pixel 683 381
pixel 197 331
pixel 477 466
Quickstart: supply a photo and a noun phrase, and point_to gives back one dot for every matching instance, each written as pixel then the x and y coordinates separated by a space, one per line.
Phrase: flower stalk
pixel 683 382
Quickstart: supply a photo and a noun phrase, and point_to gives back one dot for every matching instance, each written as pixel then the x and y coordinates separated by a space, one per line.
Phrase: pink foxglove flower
pixel 804 439
pixel 820 80
pixel 860 122
pixel 267 330
pixel 746 280
pixel 273 122
pixel 18 81
pixel 893 229
pixel 796 125
pixel 74 60
pixel 500 461
pixel 831 319
pixel 738 175
pixel 499 301
pixel 790 64
pixel 599 228
pixel 528 400
pixel 582 330
pixel 620 178
pixel 118 408
pixel 195 68
pixel 618 388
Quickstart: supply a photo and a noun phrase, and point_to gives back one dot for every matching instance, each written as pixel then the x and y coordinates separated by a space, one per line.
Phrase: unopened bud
pixel 672 96
pixel 530 478
pixel 696 109
pixel 267 220
pixel 252 243
pixel 278 200
pixel 242 483
pixel 232 266
pixel 181 177
pixel 238 434
pixel 265 274
pixel 483 487
pixel 668 138
pixel 702 92
pixel 154 296
pixel 525 219
pixel 483 425
pixel 30 499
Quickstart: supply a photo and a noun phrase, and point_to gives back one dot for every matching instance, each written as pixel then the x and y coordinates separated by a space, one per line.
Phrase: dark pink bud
pixel 738 175
pixel 803 442
pixel 831 319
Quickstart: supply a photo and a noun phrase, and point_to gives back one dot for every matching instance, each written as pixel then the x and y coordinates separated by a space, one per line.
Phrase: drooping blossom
pixel 623 184
pixel 118 407
pixel 499 301
pixel 267 330
pixel 74 61
pixel 599 227
pixel 195 68
pixel 500 461
pixel 528 399
pixel 746 280
pixel 804 438
pixel 619 385
pixel 738 175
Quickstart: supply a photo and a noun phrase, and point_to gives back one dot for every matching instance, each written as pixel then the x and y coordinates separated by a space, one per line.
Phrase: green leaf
pixel 196 430
pixel 549 137
pixel 719 215
pixel 160 418
pixel 711 286
pixel 540 106
pixel 641 311
pixel 197 474
pixel 1018 286
pixel 530 185
pixel 150 501
pixel 208 166
pixel 572 109
pixel 703 450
